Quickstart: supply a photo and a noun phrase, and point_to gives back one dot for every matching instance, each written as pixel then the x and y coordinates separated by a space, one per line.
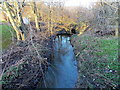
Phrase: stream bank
pixel 97 59
pixel 25 62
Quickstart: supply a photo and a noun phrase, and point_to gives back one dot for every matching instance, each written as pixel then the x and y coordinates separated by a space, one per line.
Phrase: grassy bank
pixel 97 61
pixel 6 32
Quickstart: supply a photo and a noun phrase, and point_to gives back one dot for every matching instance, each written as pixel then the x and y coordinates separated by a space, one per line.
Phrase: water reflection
pixel 63 72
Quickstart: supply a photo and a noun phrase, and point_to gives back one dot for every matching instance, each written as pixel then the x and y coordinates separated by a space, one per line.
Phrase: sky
pixel 71 3
pixel 84 3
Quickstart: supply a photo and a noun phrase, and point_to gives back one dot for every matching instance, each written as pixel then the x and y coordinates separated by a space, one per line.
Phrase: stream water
pixel 63 70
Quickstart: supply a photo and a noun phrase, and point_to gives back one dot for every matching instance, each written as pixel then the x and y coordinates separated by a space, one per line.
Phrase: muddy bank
pixel 97 61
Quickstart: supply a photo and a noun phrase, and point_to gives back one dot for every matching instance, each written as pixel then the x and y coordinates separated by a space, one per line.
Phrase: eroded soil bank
pixel 97 59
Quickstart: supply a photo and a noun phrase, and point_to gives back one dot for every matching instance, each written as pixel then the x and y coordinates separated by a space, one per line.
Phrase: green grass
pixel 6 35
pixel 110 50
pixel 100 55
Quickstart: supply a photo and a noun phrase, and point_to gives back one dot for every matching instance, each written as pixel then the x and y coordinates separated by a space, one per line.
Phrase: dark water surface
pixel 63 71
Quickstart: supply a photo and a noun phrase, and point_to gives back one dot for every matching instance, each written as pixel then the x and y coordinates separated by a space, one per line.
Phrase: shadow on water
pixel 63 72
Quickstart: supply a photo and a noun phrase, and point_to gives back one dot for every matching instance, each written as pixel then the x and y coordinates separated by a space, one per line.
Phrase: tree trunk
pixel 118 22
pixel 21 23
pixel 118 30
pixel 36 21
pixel 36 15
pixel 117 27
pixel 50 20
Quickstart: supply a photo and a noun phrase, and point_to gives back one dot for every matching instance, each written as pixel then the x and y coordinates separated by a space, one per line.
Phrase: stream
pixel 63 70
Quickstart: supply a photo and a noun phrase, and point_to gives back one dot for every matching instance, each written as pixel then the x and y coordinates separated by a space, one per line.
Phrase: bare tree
pixel 106 16
pixel 9 13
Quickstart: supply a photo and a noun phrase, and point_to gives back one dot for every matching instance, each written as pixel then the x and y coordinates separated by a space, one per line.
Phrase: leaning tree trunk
pixel 18 32
pixel 20 20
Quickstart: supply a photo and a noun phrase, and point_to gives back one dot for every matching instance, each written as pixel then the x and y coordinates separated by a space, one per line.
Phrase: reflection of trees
pixel 64 51
pixel 62 46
